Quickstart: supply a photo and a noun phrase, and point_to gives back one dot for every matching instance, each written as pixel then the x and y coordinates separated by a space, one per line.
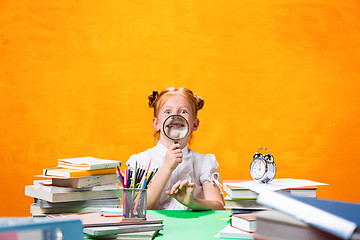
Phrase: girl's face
pixel 175 105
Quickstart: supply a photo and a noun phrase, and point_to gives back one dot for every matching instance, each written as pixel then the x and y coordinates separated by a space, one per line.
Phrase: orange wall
pixel 75 75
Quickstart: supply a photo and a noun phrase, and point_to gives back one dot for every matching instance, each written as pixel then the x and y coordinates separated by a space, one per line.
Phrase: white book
pixel 35 192
pixel 85 182
pixel 108 202
pixel 149 235
pixel 36 210
pixel 101 231
pixel 231 232
pixel 239 203
pixel 47 186
pixel 245 222
pixel 250 189
pixel 87 163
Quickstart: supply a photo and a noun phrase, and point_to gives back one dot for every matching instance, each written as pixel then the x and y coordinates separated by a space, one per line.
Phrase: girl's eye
pixel 168 112
pixel 183 111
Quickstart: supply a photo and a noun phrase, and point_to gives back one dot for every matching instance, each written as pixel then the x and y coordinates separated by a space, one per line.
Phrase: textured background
pixel 283 74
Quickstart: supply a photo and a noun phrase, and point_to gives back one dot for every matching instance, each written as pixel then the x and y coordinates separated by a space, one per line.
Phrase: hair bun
pixel 152 98
pixel 200 102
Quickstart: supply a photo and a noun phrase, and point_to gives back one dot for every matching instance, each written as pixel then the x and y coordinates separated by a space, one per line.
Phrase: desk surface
pixel 190 224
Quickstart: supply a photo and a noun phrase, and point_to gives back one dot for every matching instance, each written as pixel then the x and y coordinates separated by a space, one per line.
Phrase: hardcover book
pixel 97 225
pixel 245 222
pixel 231 232
pixel 47 186
pixel 73 173
pixel 276 225
pixel 336 217
pixel 107 202
pixel 85 182
pixel 33 191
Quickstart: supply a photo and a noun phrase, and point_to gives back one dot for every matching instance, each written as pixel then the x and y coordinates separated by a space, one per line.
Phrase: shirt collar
pixel 163 149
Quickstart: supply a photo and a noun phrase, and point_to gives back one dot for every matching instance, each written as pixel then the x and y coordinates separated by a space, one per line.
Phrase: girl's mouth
pixel 175 125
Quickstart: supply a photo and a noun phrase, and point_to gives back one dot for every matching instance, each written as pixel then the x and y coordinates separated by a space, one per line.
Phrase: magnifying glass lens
pixel 176 127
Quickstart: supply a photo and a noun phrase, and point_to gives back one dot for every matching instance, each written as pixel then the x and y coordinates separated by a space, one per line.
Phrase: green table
pixel 190 224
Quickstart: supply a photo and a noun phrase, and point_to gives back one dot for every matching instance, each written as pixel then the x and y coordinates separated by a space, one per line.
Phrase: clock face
pixel 257 168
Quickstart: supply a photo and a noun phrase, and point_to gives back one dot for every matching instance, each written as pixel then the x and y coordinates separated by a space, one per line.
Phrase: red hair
pixel 157 100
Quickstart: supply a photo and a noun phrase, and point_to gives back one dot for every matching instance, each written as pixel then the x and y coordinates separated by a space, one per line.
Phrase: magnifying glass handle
pixel 176 142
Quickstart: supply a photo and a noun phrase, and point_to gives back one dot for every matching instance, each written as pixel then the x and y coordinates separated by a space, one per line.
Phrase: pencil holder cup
pixel 134 203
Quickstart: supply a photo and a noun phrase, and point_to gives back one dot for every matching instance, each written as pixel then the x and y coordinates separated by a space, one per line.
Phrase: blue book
pixel 22 228
pixel 339 218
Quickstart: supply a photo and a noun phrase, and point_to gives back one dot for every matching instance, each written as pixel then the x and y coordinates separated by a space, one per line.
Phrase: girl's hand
pixel 173 157
pixel 183 192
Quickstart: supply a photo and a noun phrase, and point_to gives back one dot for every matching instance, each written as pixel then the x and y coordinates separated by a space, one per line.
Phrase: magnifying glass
pixel 175 127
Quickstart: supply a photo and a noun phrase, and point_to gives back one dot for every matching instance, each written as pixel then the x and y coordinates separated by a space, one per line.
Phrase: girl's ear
pixel 155 124
pixel 196 124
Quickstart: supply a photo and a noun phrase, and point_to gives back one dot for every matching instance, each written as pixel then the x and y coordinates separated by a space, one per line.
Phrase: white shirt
pixel 195 167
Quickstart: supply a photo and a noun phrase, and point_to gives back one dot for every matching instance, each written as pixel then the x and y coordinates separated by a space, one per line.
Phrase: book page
pixel 86 161
pixel 276 184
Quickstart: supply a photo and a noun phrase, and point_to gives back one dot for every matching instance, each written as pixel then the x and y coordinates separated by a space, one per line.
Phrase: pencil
pixel 120 177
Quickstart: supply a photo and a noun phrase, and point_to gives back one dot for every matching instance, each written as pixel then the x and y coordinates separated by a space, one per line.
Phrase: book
pixel 88 163
pixel 339 218
pixel 35 192
pixel 273 224
pixel 38 211
pixel 237 192
pixel 47 186
pixel 242 211
pixel 249 204
pixel 245 222
pixel 149 235
pixel 106 211
pixel 108 202
pixel 111 230
pixel 231 232
pixel 95 219
pixel 72 173
pixel 84 182
pixel 97 225
pixel 21 228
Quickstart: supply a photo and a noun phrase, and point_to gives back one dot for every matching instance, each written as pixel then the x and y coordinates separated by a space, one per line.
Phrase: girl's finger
pixel 175 187
pixel 184 183
pixel 175 146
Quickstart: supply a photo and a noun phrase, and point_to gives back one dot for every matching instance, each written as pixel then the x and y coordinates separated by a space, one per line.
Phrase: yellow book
pixel 72 173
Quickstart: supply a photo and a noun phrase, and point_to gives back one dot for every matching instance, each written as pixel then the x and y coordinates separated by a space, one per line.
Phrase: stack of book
pixel 76 185
pixel 294 217
pixel 98 226
pixel 243 200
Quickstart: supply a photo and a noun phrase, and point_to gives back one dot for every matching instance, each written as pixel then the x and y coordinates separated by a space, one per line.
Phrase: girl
pixel 191 179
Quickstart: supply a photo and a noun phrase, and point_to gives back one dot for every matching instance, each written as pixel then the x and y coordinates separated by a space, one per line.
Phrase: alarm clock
pixel 262 167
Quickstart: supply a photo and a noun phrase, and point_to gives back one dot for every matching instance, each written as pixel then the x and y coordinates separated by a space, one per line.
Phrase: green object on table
pixel 189 224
